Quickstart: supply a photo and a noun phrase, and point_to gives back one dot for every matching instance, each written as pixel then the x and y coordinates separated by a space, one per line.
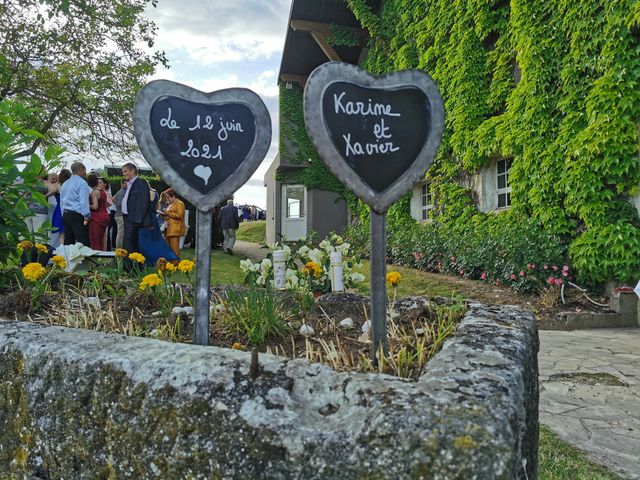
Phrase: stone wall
pixel 79 404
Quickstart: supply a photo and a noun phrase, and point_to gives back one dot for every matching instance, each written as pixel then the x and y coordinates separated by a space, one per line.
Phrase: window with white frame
pixel 504 189
pixel 426 201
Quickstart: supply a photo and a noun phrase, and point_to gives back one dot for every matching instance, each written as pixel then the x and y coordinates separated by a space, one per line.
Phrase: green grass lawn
pixel 560 461
pixel 414 282
pixel 255 232
pixel 225 269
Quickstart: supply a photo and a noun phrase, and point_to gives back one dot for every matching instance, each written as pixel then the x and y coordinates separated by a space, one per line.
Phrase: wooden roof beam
pixel 320 32
pixel 290 78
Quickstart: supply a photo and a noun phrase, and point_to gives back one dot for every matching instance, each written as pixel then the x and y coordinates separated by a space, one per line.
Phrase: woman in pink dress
pixel 99 213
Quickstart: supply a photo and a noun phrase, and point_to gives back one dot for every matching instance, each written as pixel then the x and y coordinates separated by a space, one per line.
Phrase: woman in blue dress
pixel 151 243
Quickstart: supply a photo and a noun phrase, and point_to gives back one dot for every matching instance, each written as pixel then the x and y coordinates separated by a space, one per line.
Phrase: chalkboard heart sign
pixel 378 135
pixel 204 145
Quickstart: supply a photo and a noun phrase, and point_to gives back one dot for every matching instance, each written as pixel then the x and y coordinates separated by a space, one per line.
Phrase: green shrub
pixel 253 316
pixel 505 249
pixel 15 135
pixel 607 252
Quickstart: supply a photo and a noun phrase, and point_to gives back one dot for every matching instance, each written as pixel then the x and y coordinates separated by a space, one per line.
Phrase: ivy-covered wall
pixel 555 84
pixel 296 147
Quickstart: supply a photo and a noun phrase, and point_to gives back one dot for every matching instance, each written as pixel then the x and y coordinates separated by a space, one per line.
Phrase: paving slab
pixel 590 393
pixel 251 250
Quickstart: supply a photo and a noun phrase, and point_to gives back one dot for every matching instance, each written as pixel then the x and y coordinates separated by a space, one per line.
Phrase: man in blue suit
pixel 136 207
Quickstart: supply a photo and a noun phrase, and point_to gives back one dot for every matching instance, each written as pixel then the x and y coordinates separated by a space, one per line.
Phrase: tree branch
pixel 44 129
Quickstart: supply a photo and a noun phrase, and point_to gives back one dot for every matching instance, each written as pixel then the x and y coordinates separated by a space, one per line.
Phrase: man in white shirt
pixel 74 202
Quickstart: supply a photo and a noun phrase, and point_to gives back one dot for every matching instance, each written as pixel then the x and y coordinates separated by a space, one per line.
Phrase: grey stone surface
pixel 625 302
pixel 590 393
pixel 588 320
pixel 79 404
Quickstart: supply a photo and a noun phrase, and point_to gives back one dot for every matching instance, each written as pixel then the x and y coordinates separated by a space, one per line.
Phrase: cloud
pixel 221 31
pixel 265 84
pixel 225 44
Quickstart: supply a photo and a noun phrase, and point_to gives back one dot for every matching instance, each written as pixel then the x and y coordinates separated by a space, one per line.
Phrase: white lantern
pixel 337 280
pixel 279 270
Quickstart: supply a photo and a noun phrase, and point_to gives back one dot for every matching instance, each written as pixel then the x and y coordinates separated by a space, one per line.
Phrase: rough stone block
pixel 586 320
pixel 80 404
pixel 624 302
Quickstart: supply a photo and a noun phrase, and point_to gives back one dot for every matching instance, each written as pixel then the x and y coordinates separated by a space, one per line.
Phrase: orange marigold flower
pixel 161 264
pixel 312 269
pixel 186 266
pixel 25 245
pixel 151 280
pixel 394 278
pixel 59 261
pixel 170 267
pixel 137 257
pixel 33 271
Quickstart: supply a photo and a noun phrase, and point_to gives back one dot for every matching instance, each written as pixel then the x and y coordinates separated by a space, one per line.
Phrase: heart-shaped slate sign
pixel 378 135
pixel 204 145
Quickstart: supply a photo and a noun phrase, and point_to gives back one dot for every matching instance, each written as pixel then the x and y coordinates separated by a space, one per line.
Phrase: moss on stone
pixel 86 406
pixel 15 436
pixel 464 442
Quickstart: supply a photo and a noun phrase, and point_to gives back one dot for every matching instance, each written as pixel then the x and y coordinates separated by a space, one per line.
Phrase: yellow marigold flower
pixel 161 264
pixel 186 266
pixel 121 253
pixel 41 248
pixel 25 245
pixel 237 346
pixel 59 261
pixel 312 268
pixel 394 278
pixel 33 271
pixel 151 280
pixel 170 267
pixel 137 257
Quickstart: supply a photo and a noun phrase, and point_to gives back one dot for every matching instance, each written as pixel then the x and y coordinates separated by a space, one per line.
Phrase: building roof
pixel 309 25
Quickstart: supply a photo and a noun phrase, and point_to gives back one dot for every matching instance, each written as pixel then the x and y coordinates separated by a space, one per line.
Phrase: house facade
pixel 541 116
pixel 302 197
pixel 294 211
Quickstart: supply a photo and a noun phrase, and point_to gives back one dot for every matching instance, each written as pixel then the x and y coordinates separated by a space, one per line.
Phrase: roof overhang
pixel 306 46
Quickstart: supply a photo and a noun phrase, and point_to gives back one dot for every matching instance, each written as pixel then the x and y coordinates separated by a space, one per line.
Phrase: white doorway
pixel 294 212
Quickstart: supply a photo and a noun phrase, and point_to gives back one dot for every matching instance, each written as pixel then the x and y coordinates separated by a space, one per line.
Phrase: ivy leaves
pixel 555 85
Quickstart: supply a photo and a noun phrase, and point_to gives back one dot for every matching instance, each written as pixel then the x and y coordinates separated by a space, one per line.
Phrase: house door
pixel 294 212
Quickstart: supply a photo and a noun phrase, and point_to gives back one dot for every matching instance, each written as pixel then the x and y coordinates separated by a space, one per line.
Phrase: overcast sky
pixel 227 43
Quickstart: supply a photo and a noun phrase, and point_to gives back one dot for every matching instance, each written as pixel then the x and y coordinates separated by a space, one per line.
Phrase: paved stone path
pixel 249 250
pixel 590 393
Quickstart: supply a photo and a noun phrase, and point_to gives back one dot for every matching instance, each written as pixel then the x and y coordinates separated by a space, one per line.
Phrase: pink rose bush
pixel 507 249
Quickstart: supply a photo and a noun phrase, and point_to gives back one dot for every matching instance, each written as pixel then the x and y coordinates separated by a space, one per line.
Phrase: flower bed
pixel 292 323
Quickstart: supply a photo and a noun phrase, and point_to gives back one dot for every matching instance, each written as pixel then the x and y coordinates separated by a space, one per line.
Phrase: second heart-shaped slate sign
pixel 204 145
pixel 378 135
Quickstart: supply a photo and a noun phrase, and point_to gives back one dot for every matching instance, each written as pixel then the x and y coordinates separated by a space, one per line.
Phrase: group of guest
pixel 79 207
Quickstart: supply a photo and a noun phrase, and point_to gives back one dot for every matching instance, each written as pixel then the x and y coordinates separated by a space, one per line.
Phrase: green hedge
pixel 499 249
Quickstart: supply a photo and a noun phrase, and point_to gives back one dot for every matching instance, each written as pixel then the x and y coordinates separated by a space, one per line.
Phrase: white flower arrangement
pixel 307 268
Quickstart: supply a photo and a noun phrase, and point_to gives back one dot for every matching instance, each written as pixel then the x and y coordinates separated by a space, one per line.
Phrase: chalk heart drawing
pixel 204 145
pixel 377 134
pixel 203 172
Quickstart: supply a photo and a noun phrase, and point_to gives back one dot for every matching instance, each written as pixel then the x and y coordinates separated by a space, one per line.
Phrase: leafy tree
pixel 18 177
pixel 77 65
